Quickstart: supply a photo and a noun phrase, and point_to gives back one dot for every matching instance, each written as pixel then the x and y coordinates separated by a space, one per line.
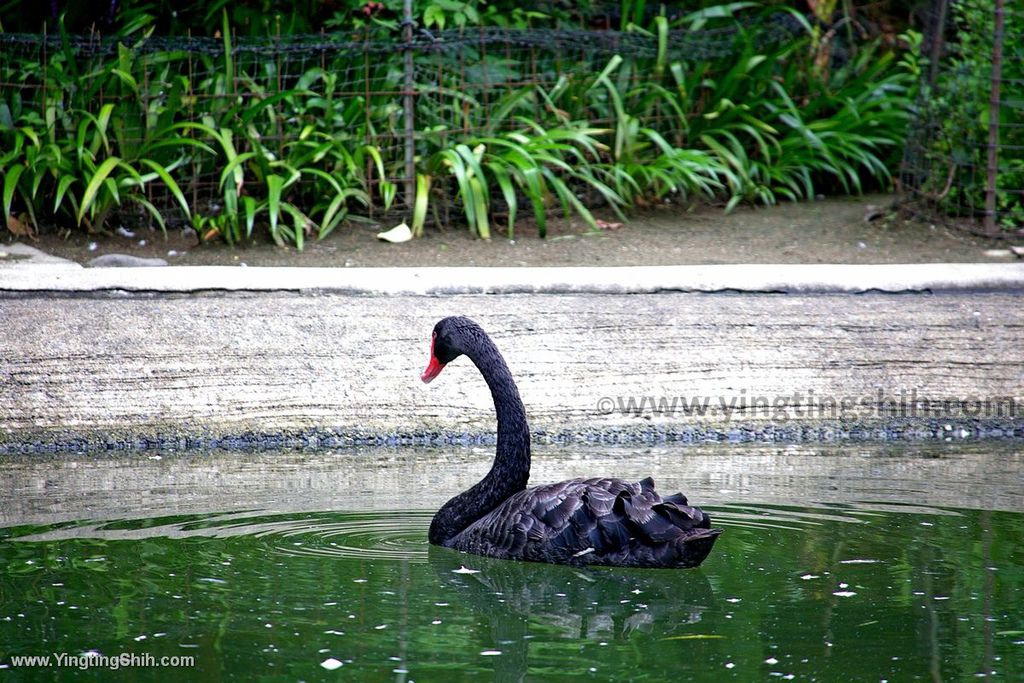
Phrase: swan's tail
pixel 680 534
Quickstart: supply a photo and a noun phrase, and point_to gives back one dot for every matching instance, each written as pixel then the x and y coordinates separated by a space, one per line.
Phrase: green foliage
pixel 543 166
pixel 959 104
pixel 158 133
pixel 441 13
pixel 142 135
pixel 781 129
pixel 763 126
pixel 69 164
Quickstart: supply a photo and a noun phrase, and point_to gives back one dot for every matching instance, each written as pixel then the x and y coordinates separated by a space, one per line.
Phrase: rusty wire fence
pixel 401 96
pixel 964 158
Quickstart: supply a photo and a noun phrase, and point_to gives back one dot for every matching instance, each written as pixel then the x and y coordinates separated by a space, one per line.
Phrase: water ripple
pixel 397 536
pixel 383 535
pixel 401 535
pixel 792 518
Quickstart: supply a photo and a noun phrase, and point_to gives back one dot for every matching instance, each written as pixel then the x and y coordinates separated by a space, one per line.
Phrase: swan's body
pixel 579 521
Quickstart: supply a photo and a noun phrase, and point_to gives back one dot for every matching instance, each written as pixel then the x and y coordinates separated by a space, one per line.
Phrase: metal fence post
pixel 993 121
pixel 410 130
pixel 938 39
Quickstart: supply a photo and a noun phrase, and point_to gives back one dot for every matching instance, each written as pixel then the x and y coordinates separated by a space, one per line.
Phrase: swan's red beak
pixel 434 368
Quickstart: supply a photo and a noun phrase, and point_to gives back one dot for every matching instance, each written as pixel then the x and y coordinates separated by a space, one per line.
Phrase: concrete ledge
pixel 279 369
pixel 805 278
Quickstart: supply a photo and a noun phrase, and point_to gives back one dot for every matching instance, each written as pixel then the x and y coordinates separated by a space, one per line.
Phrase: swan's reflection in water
pixel 529 602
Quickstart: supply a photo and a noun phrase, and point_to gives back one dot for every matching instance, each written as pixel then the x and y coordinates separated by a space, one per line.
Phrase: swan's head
pixel 452 337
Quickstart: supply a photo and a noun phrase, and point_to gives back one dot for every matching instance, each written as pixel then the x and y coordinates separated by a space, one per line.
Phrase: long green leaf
pixel 334 214
pixel 501 175
pixel 171 184
pixel 229 61
pixel 612 65
pixel 536 192
pixel 95 182
pixel 661 23
pixel 457 166
pixel 10 185
pixel 249 209
pixel 233 169
pixel 419 212
pixel 62 187
pixel 300 223
pixel 479 198
pixel 275 185
pixel 152 210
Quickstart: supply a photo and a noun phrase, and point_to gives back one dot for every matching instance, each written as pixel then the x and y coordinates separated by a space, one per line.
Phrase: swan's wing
pixel 524 521
pixel 639 513
pixel 585 521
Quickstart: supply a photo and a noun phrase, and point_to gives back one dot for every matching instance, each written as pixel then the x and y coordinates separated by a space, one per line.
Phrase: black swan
pixel 577 522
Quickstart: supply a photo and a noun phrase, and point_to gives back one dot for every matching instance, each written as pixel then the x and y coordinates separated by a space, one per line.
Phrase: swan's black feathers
pixel 593 521
pixel 676 499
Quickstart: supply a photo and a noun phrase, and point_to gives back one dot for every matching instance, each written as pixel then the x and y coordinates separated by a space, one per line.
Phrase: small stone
pixel 873 212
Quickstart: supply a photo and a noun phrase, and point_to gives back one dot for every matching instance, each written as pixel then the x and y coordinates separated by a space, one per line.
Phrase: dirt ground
pixel 826 231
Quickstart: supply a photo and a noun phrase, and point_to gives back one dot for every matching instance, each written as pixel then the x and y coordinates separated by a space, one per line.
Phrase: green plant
pixel 959 106
pixel 782 129
pixel 270 152
pixel 74 165
pixel 542 166
pixel 439 13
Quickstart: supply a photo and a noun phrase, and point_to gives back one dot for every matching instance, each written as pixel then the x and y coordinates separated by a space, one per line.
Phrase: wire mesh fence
pixel 336 91
pixel 964 157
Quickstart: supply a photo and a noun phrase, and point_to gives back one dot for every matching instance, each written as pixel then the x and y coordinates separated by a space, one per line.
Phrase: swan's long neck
pixel 511 468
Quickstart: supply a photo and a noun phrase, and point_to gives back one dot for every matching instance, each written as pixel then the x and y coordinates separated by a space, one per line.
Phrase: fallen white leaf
pixel 399 233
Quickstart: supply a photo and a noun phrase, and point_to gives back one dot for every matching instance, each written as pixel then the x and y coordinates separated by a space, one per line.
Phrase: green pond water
pixel 861 563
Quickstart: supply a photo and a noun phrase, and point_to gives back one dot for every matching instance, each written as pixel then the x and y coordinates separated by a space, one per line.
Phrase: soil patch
pixel 834 230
